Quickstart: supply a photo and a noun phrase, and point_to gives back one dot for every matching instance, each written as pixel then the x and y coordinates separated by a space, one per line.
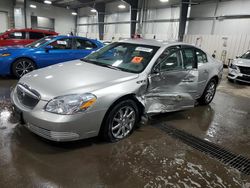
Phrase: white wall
pixel 3 21
pixel 64 20
pixel 162 30
pixel 117 30
pixel 221 27
pixel 6 9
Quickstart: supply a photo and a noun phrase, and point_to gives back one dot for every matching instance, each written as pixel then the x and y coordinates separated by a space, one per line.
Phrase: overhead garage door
pixel 3 21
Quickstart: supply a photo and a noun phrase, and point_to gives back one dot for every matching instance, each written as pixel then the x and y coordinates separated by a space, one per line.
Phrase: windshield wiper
pixel 101 64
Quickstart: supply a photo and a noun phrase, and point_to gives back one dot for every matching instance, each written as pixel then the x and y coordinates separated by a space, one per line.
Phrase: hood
pixel 73 77
pixel 242 62
pixel 13 49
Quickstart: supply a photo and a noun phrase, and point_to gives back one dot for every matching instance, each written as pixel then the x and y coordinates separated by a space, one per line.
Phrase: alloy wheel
pixel 123 122
pixel 210 92
pixel 23 67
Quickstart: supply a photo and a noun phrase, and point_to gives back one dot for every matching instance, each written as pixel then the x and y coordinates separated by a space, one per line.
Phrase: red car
pixel 23 36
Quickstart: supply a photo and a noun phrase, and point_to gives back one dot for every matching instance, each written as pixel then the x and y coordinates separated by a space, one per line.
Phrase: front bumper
pixel 236 75
pixel 59 127
pixel 5 65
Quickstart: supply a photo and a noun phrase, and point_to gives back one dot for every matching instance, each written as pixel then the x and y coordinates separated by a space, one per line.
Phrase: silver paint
pixel 163 92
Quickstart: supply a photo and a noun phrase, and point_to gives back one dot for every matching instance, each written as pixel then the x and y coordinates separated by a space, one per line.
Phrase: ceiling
pixel 74 4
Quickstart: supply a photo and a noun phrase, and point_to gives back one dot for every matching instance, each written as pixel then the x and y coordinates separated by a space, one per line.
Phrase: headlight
pixel 70 104
pixel 5 54
pixel 233 66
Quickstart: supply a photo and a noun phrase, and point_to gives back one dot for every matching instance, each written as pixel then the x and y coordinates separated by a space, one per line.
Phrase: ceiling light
pixel 47 2
pixel 74 13
pixel 121 6
pixel 32 6
pixel 163 1
pixel 93 10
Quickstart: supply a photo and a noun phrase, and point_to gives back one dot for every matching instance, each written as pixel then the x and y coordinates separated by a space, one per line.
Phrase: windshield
pixel 123 56
pixel 40 42
pixel 246 55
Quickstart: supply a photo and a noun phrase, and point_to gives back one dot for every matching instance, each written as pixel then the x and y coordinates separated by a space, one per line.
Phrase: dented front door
pixel 173 86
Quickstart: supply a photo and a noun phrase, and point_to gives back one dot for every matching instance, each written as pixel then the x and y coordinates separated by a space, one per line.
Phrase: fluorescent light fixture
pixel 93 10
pixel 47 2
pixel 32 6
pixel 74 13
pixel 163 1
pixel 121 6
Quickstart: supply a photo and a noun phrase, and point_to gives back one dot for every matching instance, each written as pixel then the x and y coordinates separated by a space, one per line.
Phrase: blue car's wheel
pixel 22 66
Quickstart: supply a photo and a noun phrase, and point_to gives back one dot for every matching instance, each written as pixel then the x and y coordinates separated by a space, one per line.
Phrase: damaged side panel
pixel 170 91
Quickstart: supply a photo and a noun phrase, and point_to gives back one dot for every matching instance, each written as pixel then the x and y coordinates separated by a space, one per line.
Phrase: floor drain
pixel 236 161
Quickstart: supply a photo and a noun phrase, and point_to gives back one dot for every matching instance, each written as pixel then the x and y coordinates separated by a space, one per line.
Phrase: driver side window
pixel 170 60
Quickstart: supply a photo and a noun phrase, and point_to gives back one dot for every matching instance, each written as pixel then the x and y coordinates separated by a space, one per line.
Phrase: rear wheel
pixel 209 93
pixel 22 66
pixel 120 121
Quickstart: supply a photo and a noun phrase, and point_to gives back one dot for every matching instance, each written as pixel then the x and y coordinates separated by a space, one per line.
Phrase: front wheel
pixel 120 121
pixel 22 66
pixel 209 93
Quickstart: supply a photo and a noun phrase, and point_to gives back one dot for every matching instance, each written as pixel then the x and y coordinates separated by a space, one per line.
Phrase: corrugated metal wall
pixel 226 46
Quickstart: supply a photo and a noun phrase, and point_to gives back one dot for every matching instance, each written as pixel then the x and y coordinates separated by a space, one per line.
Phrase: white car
pixel 239 69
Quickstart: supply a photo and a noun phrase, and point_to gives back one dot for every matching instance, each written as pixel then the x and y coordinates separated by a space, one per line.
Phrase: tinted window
pixel 35 35
pixel 171 62
pixel 62 44
pixel 84 44
pixel 17 35
pixel 188 58
pixel 246 55
pixel 201 57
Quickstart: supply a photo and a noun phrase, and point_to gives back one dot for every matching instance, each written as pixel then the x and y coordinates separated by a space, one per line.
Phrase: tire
pixel 116 126
pixel 22 66
pixel 209 93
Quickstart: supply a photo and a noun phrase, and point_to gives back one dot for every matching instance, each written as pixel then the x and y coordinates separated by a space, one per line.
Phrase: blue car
pixel 47 51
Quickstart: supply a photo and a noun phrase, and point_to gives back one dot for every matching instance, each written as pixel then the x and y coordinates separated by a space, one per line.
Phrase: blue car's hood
pixel 14 49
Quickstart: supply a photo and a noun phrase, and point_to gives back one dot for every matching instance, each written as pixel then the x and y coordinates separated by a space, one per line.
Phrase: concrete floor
pixel 148 158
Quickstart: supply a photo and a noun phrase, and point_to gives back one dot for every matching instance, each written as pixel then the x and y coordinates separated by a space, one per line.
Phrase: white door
pixel 3 21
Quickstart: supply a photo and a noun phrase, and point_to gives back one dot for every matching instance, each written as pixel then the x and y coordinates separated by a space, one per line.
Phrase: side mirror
pixel 48 48
pixel 156 70
pixel 5 36
pixel 237 57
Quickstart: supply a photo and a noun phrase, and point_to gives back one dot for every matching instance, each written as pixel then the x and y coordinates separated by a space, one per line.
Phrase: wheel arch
pixel 130 96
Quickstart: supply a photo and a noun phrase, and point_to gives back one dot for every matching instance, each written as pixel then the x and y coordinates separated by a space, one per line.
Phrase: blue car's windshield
pixel 40 42
pixel 123 56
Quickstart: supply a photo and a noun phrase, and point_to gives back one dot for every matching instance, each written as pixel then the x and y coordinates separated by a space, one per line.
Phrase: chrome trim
pixel 32 93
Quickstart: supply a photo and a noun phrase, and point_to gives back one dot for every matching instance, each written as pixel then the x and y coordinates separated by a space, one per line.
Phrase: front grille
pixel 244 78
pixel 222 154
pixel 26 96
pixel 244 70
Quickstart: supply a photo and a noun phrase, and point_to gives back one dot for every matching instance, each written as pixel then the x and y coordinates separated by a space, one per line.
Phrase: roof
pixel 152 42
pixel 35 30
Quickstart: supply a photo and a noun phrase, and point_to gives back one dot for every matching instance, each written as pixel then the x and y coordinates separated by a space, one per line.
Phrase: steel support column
pixel 133 15
pixel 100 7
pixel 183 18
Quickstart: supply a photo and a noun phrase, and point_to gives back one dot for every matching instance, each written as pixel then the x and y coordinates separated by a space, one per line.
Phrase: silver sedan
pixel 109 91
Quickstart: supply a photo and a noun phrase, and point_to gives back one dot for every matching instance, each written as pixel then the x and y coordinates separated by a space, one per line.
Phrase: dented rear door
pixel 173 82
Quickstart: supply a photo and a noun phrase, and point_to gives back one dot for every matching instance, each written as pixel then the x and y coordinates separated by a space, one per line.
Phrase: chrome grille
pixel 244 70
pixel 26 96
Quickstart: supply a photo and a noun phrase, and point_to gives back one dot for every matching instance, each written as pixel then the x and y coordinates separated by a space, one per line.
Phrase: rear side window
pixel 84 44
pixel 188 58
pixel 17 35
pixel 201 57
pixel 36 35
